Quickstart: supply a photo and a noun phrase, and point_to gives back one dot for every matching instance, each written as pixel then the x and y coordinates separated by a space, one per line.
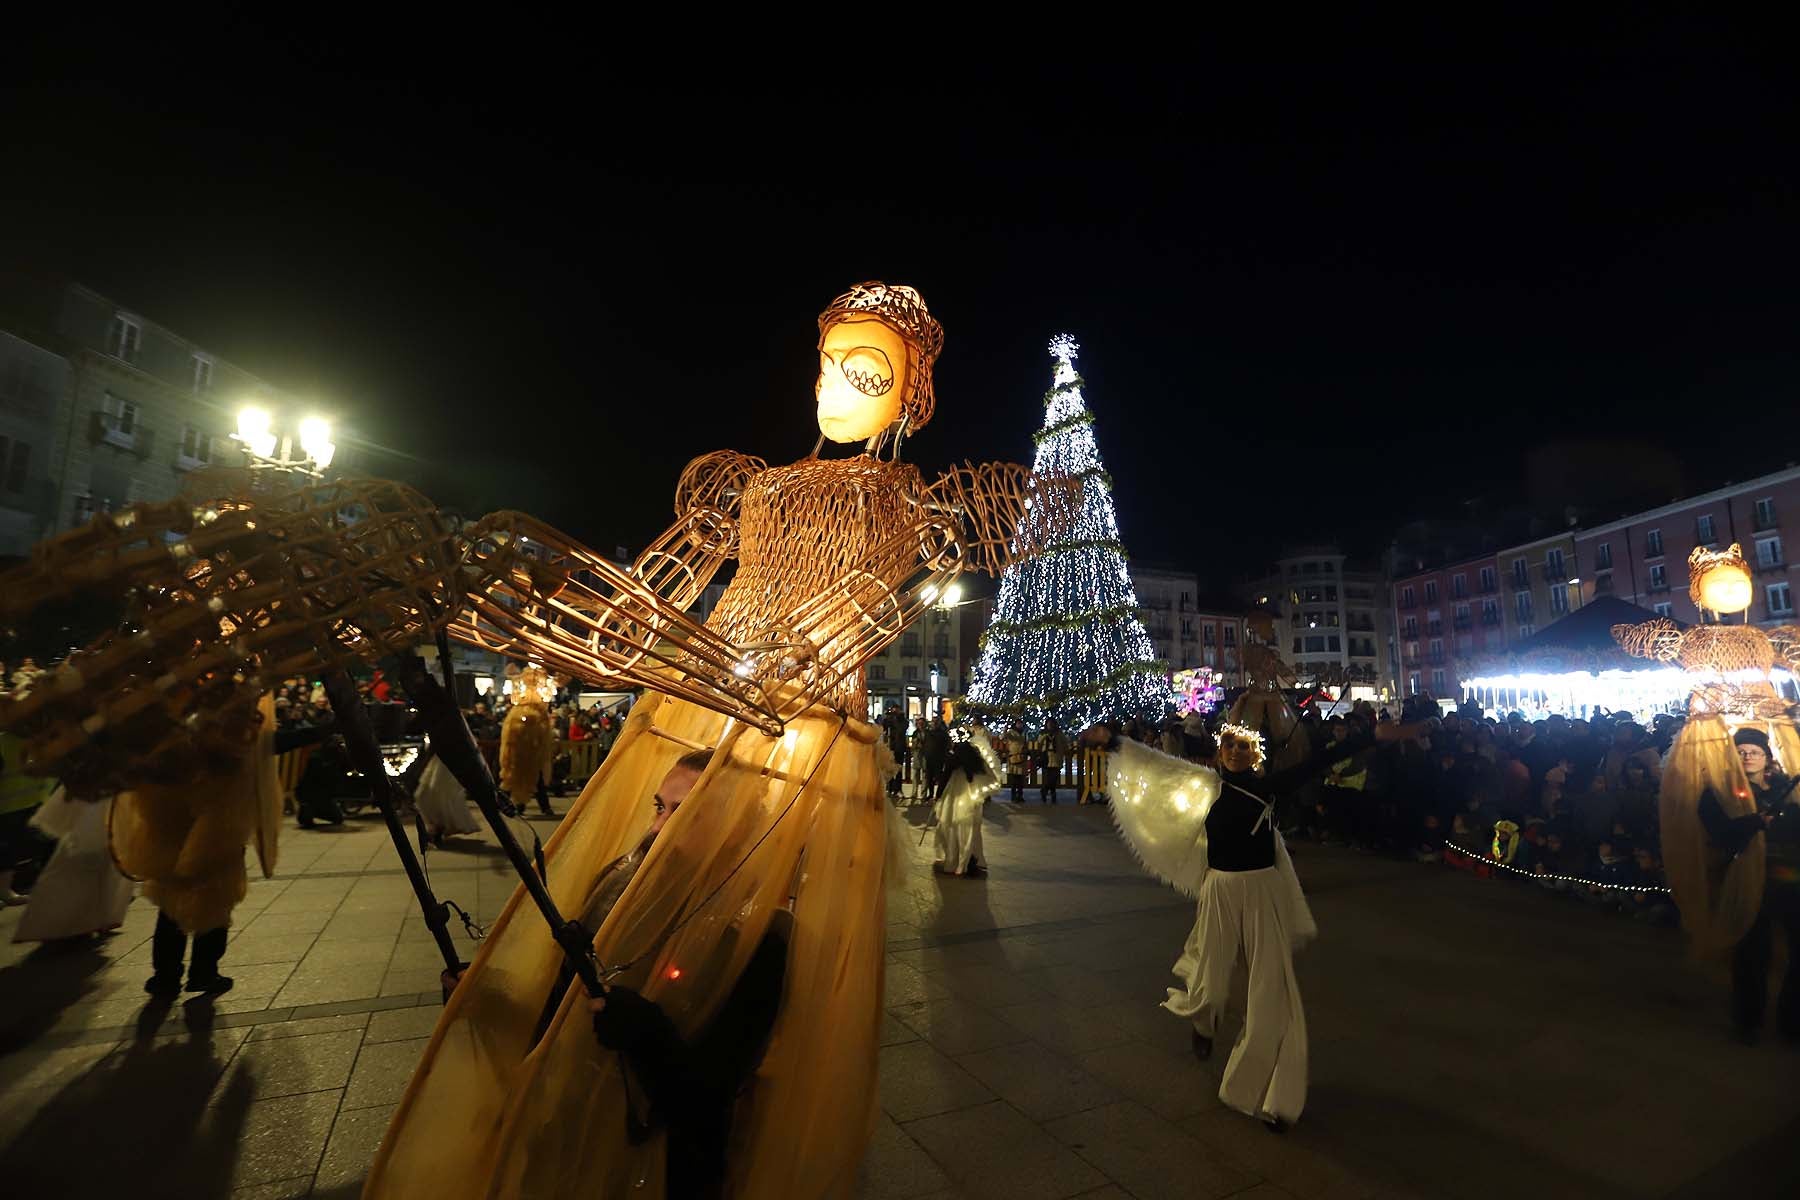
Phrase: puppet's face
pixel 862 378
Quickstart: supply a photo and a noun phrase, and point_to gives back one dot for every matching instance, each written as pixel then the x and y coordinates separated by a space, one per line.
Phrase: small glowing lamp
pixel 315 440
pixel 256 430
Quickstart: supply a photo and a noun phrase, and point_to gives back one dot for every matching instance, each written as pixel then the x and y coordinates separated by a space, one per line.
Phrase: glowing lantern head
pixel 1720 579
pixel 876 347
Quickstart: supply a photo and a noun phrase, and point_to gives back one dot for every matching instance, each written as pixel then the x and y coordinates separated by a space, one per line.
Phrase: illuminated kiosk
pixel 1575 667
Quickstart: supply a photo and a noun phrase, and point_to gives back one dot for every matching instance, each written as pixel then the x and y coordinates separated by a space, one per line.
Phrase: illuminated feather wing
pixel 1160 804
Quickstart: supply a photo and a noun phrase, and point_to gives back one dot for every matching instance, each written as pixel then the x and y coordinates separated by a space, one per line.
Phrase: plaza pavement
pixel 1469 1038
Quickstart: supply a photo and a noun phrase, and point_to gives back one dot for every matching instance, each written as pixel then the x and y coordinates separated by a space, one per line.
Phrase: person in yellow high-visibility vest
pixel 20 796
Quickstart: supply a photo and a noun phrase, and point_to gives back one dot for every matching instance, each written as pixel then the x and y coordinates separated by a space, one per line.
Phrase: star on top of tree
pixel 1064 348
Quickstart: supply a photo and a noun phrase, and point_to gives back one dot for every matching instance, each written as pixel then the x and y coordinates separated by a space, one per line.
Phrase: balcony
pixel 1487 588
pixel 1462 624
pixel 1436 660
pixel 1434 629
pixel 1555 572
pixel 111 429
pixel 1771 567
pixel 1490 618
pixel 1763 522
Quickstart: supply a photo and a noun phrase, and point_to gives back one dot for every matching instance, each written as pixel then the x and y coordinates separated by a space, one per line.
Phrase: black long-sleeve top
pixel 1240 828
pixel 692 1086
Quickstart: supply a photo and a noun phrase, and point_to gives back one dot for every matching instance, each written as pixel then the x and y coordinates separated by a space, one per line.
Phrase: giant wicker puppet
pixel 835 557
pixel 1729 666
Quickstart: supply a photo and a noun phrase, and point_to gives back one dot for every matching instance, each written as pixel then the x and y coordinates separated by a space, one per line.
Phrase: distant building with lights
pixel 923 667
pixel 1643 557
pixel 1332 620
pixel 1451 615
pixel 138 407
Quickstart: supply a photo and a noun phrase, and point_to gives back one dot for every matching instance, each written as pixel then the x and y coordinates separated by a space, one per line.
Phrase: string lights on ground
pixel 1545 876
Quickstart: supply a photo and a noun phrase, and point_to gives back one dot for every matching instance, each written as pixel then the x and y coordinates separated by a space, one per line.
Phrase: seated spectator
pixel 1613 868
pixel 1556 857
pixel 1653 908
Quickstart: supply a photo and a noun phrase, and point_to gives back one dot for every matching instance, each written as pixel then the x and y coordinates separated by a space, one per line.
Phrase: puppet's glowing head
pixel 877 345
pixel 863 374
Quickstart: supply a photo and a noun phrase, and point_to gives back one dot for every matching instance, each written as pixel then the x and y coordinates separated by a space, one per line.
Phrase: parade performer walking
pixel 975 771
pixel 1212 835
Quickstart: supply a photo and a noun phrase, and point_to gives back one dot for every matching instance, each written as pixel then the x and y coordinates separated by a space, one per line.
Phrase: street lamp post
pixel 264 447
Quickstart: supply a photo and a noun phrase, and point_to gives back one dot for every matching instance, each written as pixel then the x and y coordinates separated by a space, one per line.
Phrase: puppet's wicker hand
pixel 1005 512
pixel 715 480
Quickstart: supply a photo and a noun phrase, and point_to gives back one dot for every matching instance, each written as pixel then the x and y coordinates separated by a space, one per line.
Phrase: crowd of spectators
pixel 1569 804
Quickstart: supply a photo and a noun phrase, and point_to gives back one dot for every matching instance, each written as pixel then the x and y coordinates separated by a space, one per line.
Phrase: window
pixel 196 447
pixel 1431 591
pixel 1434 622
pixel 1406 597
pixel 1412 627
pixel 1487 579
pixel 1653 544
pixel 1315 645
pixel 877 671
pixel 17 464
pixel 1521 573
pixel 1768 552
pixel 1185 601
pixel 1603 556
pixel 1331 643
pixel 1331 591
pixel 1526 631
pixel 1296 645
pixel 1490 612
pixel 1412 651
pixel 1459 586
pixel 1231 635
pixel 909 644
pixel 125 338
pixel 1437 649
pixel 1462 616
pixel 1559 598
pixel 1765 513
pixel 940 646
pixel 1665 609
pixel 1209 633
pixel 1438 684
pixel 1311 568
pixel 1703 531
pixel 120 420
pixel 203 367
pixel 1553 564
pixel 910 672
pixel 84 509
pixel 1522 607
pixel 1412 683
pixel 1781 602
pixel 1659 578
pixel 1314 595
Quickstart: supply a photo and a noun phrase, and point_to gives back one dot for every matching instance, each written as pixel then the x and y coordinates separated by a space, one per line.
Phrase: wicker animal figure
pixel 835 557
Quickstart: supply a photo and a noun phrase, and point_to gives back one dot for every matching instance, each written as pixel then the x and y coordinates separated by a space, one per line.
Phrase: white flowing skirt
pixel 1258 916
pixel 959 825
pixel 80 889
pixel 442 802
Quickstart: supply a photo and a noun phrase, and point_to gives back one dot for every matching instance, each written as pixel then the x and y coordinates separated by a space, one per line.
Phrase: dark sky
pixel 1316 298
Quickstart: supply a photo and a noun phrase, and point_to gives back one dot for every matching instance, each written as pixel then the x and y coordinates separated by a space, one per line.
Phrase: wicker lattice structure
pixel 218 595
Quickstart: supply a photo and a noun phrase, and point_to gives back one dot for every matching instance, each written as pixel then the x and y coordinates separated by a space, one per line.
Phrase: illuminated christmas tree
pixel 1065 639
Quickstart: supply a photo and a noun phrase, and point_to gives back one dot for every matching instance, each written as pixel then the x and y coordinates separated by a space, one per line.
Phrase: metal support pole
pixel 455 747
pixel 365 752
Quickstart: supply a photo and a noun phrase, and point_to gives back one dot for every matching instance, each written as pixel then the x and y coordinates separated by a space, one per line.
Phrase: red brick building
pixel 1643 558
pixel 1446 614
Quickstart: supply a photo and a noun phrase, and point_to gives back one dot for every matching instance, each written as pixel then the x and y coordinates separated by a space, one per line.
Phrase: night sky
pixel 1316 299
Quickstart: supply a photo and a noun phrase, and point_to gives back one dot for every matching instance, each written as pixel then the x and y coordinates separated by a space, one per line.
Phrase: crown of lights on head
pixel 903 310
pixel 1231 729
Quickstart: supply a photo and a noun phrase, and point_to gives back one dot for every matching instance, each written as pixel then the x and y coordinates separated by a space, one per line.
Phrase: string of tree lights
pixel 1065 639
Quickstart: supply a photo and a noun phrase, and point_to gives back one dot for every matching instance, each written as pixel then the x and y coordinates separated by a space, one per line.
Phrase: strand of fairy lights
pixel 1612 887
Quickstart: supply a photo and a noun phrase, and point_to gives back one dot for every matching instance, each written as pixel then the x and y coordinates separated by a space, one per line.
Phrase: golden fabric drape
pixel 1718 897
pixel 487 1114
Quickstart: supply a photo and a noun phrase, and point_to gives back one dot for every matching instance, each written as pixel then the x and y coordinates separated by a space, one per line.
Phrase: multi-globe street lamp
pixel 256 434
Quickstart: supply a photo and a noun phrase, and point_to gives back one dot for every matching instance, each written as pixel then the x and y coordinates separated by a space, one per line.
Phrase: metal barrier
pixel 290 767
pixel 1093 774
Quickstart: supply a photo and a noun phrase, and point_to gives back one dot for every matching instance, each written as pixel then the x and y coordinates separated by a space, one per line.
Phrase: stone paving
pixel 1468 1039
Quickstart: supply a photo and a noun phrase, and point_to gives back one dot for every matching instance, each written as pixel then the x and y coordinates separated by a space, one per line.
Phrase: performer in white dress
pixel 1212 835
pixel 80 890
pixel 442 803
pixel 975 774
